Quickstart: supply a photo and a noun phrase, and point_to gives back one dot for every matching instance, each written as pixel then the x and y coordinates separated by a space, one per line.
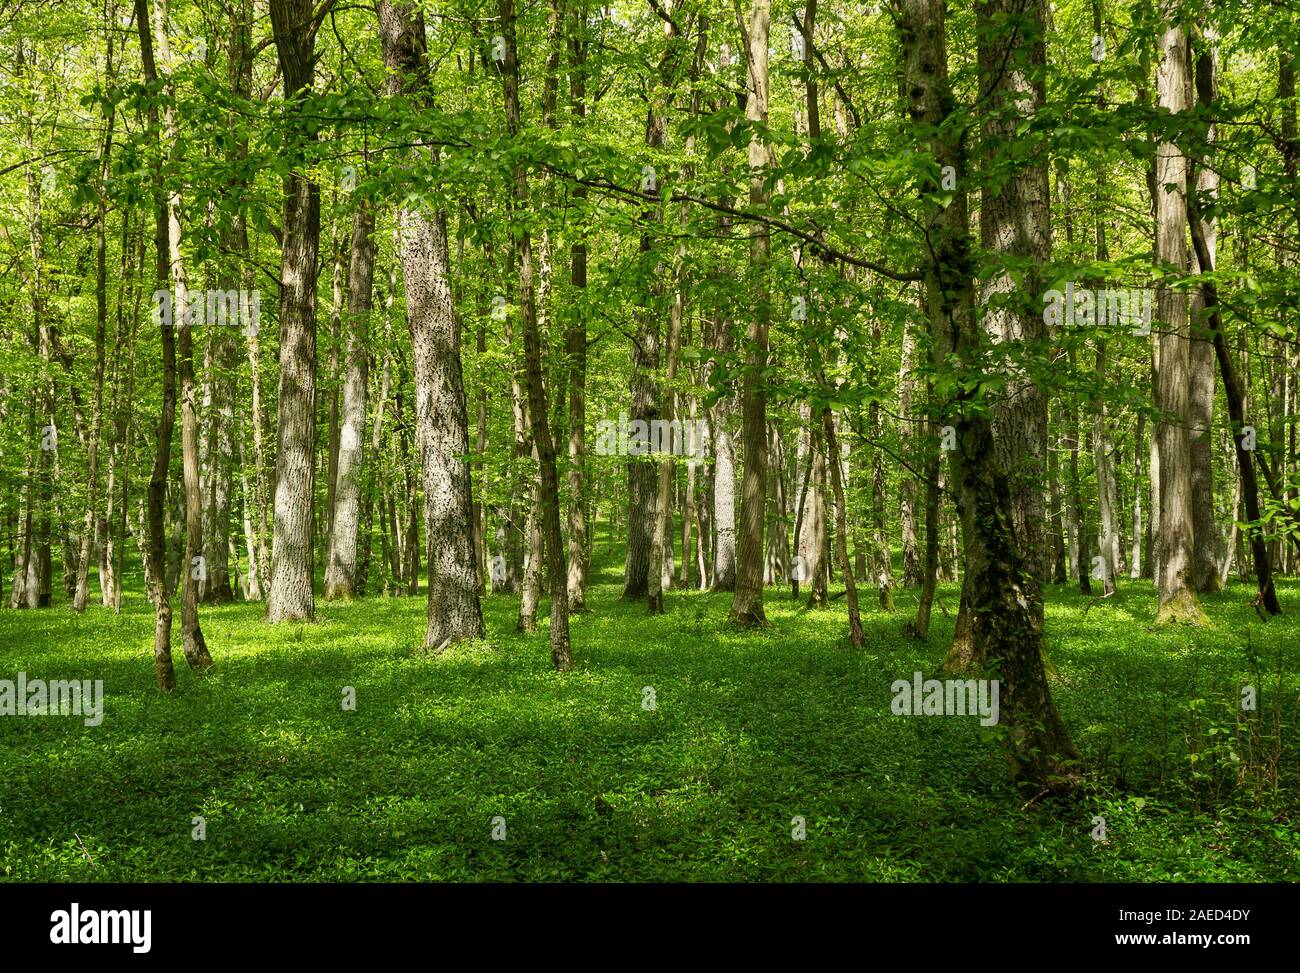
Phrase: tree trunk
pixel 575 339
pixel 1015 224
pixel 1006 621
pixel 101 326
pixel 1139 437
pixel 907 437
pixel 747 600
pixel 341 576
pixel 724 478
pixel 155 566
pixel 856 635
pixel 292 594
pixel 561 654
pixel 1176 540
pixel 1236 410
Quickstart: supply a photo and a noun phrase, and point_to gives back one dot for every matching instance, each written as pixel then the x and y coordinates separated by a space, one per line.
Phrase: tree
pixel 341 576
pixel 1176 584
pixel 1006 625
pixel 292 593
pixel 440 411
pixel 747 601
pixel 561 652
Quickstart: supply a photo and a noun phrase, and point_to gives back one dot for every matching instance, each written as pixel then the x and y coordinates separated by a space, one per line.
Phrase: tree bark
pixel 292 594
pixel 101 327
pixel 1006 621
pixel 1176 540
pixel 341 576
pixel 561 653
pixel 576 341
pixel 747 600
pixel 1015 223
pixel 155 564
pixel 1200 354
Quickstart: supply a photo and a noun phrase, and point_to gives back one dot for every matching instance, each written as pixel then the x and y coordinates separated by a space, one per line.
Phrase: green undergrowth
pixel 750 734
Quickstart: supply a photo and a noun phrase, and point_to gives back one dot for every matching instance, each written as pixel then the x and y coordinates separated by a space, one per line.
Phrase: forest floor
pixel 748 733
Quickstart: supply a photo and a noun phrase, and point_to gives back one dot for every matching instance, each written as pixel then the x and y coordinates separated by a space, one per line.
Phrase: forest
pixel 555 440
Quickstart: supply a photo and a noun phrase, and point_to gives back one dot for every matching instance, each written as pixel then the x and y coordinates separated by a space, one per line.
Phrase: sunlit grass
pixel 749 731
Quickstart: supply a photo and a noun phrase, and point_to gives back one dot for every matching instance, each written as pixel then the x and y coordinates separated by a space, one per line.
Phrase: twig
pixel 1094 601
pixel 83 849
pixel 1033 800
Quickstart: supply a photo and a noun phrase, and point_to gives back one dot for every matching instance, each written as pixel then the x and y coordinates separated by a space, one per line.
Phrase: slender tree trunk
pixel 1108 506
pixel 1059 528
pixel 1200 353
pixel 920 627
pixel 341 576
pixel 101 326
pixel 530 592
pixel 856 635
pixel 908 483
pixel 576 342
pixel 747 600
pixel 1135 561
pixel 223 428
pixel 724 478
pixel 1078 514
pixel 1236 409
pixel 334 384
pixel 155 563
pixel 561 654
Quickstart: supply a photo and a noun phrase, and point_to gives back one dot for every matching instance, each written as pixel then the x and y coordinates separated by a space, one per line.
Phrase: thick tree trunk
pixel 1176 540
pixel 441 411
pixel 1006 620
pixel 292 594
pixel 1015 223
pixel 641 480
